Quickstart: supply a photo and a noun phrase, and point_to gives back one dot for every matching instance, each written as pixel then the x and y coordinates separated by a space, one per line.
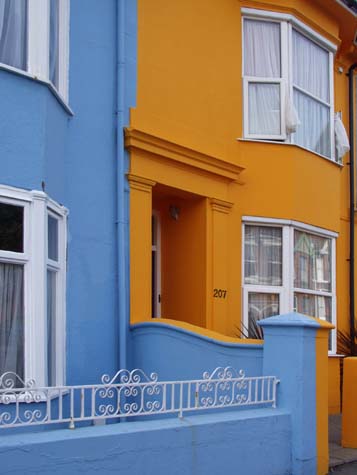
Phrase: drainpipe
pixel 352 206
pixel 120 184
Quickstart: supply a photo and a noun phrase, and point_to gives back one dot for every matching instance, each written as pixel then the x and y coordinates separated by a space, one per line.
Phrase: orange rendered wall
pixel 190 93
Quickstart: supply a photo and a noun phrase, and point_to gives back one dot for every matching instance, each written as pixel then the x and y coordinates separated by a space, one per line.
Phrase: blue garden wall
pixel 175 353
pixel 254 443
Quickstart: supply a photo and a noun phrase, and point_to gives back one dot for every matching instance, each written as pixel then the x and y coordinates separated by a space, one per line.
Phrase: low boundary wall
pixel 209 444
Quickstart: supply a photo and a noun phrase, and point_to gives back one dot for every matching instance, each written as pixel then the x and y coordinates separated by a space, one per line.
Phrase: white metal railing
pixel 129 394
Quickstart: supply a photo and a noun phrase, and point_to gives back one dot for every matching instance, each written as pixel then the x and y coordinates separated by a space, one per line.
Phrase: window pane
pixel 312 262
pixel 314 130
pixel 260 305
pixel 262 49
pixel 264 109
pixel 54 43
pixel 51 327
pixel 311 67
pixel 315 306
pixel 11 228
pixel 12 319
pixel 13 33
pixel 52 224
pixel 263 255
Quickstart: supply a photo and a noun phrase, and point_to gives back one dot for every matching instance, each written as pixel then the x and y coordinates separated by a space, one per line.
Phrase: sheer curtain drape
pixel 263 255
pixel 13 31
pixel 11 319
pixel 262 59
pixel 54 41
pixel 311 86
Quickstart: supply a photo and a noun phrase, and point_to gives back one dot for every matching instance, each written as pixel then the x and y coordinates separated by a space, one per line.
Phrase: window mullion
pixel 38 38
pixel 332 118
pixel 333 289
pixel 35 352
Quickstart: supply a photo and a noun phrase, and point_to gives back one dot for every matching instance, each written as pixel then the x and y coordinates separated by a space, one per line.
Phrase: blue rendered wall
pixel 254 443
pixel 77 158
pixel 91 194
pixel 175 354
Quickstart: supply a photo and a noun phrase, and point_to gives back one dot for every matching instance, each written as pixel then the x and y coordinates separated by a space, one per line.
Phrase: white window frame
pixel 288 23
pixel 38 43
pixel 286 290
pixel 36 206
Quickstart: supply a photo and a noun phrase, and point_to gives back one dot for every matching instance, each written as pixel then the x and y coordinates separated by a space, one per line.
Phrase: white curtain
pixel 311 78
pixel 264 109
pixel 11 319
pixel 260 305
pixel 263 255
pixel 262 49
pixel 13 30
pixel 341 138
pixel 262 59
pixel 54 22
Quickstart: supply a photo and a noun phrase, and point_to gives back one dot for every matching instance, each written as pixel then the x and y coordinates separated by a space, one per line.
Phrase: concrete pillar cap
pixel 294 319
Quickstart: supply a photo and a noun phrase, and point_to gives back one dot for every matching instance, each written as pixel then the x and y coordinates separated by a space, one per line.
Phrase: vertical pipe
pixel 120 177
pixel 352 207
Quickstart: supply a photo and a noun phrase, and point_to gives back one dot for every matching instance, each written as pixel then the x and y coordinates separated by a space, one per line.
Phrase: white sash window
pixel 288 266
pixel 34 39
pixel 32 286
pixel 287 82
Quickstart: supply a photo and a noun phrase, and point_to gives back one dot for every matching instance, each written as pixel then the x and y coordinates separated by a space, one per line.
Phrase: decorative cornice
pixel 140 183
pixel 221 206
pixel 137 139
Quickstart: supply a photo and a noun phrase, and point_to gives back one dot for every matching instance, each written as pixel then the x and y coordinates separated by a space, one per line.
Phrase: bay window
pixel 32 286
pixel 34 39
pixel 287 82
pixel 288 266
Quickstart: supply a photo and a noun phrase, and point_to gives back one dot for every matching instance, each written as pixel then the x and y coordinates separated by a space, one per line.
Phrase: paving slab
pixel 339 455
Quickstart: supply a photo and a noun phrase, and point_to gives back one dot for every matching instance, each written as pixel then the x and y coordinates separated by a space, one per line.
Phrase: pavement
pixel 346 469
pixel 342 461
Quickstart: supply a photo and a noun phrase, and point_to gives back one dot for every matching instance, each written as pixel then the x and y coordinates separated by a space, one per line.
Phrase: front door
pixel 155 265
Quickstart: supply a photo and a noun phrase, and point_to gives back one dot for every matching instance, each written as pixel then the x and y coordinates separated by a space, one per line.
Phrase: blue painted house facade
pixel 67 79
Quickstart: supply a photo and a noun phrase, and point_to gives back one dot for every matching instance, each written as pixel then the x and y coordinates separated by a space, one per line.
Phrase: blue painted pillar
pixel 290 354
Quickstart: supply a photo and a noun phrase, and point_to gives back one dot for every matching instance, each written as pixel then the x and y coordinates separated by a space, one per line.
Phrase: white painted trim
pixel 346 8
pixel 287 23
pixel 38 39
pixel 289 143
pixel 46 82
pixel 277 16
pixel 334 297
pixel 36 206
pixel 287 290
pixel 290 222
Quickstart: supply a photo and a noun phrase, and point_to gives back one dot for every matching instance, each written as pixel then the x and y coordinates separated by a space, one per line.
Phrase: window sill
pixel 335 355
pixel 278 142
pixel 46 82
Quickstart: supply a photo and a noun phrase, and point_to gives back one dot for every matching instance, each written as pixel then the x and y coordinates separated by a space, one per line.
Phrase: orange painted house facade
pixel 239 170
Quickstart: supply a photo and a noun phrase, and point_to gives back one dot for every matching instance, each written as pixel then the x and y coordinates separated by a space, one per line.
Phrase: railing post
pixel 293 352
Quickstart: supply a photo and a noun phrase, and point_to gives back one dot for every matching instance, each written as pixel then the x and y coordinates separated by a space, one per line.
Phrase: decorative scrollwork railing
pixel 129 394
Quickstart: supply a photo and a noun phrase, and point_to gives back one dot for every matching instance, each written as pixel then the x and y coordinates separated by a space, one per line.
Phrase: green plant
pixel 253 330
pixel 344 346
